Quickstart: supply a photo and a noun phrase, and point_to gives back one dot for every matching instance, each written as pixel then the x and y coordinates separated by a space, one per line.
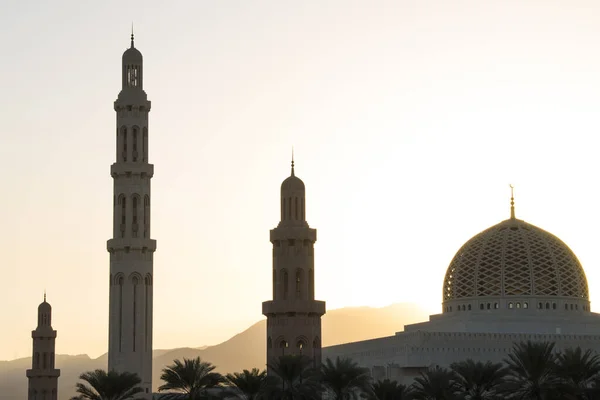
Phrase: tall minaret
pixel 43 377
pixel 131 249
pixel 293 316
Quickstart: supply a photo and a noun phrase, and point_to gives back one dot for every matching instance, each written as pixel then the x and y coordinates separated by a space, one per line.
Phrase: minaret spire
pixel 44 295
pixel 132 34
pixel 512 202
pixel 293 161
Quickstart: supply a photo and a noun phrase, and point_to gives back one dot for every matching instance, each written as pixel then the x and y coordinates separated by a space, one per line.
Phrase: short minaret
pixel 293 316
pixel 131 249
pixel 43 377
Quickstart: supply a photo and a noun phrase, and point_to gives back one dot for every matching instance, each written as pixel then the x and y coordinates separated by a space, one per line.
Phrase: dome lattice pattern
pixel 514 258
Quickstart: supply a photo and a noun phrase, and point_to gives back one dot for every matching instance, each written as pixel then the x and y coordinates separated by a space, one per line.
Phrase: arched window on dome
pixel 571 305
pixel 518 305
pixel 566 306
pixel 547 306
pixel 576 307
pixel 510 305
pixel 496 306
pixel 554 306
pixel 469 307
pixel 525 304
pixel 489 306
pixel 481 306
pixel 540 306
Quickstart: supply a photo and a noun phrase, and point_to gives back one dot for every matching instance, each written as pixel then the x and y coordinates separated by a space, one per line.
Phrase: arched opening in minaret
pixel 124 144
pixel 36 360
pixel 45 360
pixel 311 284
pixel 132 75
pixel 299 284
pixel 146 216
pixel 148 282
pixel 289 208
pixel 302 209
pixel 300 346
pixel 285 282
pixel 282 209
pixel 134 154
pixel 123 200
pixel 134 282
pixel 296 208
pixel 283 345
pixel 134 215
pixel 145 145
pixel 120 322
pixel 274 284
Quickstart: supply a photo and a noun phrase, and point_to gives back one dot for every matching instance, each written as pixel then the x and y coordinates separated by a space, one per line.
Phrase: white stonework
pixel 131 249
pixel 43 377
pixel 513 282
pixel 293 316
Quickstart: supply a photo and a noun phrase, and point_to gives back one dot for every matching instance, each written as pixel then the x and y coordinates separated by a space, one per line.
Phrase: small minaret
pixel 293 316
pixel 131 248
pixel 43 377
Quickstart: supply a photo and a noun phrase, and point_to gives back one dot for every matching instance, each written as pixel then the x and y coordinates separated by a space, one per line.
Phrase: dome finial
pixel 131 34
pixel 293 161
pixel 512 202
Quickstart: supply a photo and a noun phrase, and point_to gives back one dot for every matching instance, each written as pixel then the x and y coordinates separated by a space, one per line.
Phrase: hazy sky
pixel 409 119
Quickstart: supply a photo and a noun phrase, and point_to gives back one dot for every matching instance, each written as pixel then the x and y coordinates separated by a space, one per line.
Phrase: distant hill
pixel 243 351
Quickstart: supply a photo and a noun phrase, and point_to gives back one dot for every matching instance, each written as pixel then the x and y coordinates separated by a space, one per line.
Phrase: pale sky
pixel 409 119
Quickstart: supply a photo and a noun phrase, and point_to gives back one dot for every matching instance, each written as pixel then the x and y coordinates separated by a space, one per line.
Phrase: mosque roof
pixel 514 258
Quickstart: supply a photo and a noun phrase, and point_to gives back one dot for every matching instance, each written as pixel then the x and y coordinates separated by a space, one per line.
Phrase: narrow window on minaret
pixel 302 209
pixel 299 284
pixel 146 311
pixel 289 208
pixel 146 216
pixel 123 215
pixel 134 222
pixel 120 314
pixel 274 284
pixel 36 360
pixel 282 209
pixel 145 145
pixel 135 285
pixel 134 155
pixel 45 360
pixel 311 284
pixel 124 141
pixel 296 208
pixel 284 278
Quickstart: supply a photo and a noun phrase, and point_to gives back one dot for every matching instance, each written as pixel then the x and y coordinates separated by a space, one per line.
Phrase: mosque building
pixel 512 282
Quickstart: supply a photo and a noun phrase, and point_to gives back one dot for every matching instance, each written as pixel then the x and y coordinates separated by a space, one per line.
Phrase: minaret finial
pixel 132 34
pixel 512 202
pixel 44 295
pixel 293 161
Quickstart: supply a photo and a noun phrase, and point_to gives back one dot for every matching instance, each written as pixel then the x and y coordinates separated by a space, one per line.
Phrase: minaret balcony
pixel 43 373
pixel 294 232
pixel 279 307
pixel 131 243
pixel 133 168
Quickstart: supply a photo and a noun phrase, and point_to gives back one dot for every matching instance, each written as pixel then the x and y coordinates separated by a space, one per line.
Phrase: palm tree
pixel 111 385
pixel 532 373
pixel 478 381
pixel 291 377
pixel 391 390
pixel 192 377
pixel 248 383
pixel 435 384
pixel 579 370
pixel 344 379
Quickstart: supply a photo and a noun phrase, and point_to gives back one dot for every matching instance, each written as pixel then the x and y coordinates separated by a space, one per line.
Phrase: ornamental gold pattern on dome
pixel 514 258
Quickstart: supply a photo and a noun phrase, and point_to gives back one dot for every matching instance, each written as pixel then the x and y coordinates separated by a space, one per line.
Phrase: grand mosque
pixel 512 282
